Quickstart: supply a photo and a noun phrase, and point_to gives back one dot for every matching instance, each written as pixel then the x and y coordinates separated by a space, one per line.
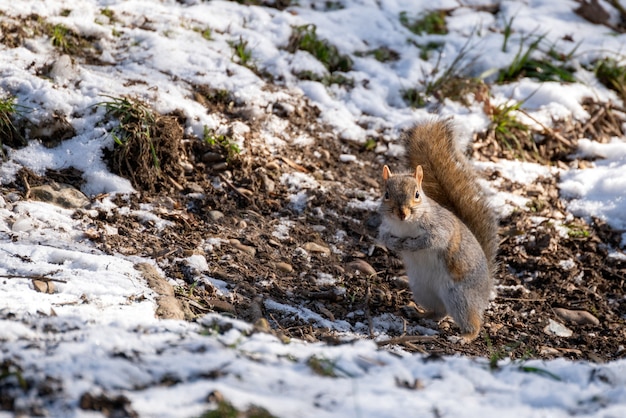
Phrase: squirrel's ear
pixel 419 174
pixel 386 173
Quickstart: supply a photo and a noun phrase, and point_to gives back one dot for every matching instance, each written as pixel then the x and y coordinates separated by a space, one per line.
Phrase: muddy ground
pixel 328 261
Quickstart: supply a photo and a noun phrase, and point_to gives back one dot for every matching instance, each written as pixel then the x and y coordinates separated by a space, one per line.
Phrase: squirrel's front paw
pixel 393 243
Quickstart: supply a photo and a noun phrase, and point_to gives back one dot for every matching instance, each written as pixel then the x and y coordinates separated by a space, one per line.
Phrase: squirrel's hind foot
pixel 415 313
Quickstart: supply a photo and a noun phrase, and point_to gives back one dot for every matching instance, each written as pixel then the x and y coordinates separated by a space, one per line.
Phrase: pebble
pixel 211 157
pixel 316 248
pixel 347 158
pixel 220 166
pixel 268 184
pixel 62 195
pixel 558 329
pixel 43 286
pixel 194 187
pixel 245 192
pixel 576 317
pixel 188 167
pixel 215 215
pixel 284 267
pixel 242 247
pixel 361 266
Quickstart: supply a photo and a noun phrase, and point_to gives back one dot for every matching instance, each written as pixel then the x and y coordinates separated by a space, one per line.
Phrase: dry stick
pixel 367 308
pixel 593 118
pixel 551 131
pixel 26 186
pixel 613 123
pixel 523 299
pixel 32 277
pixel 407 339
pixel 232 186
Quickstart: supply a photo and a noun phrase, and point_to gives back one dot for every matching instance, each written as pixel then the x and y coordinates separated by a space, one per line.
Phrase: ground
pixel 329 263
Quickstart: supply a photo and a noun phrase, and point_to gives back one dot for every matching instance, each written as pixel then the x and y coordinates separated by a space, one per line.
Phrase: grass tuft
pixel 612 75
pixel 382 54
pixel 225 409
pixel 60 37
pixel 507 128
pixel 322 366
pixel 225 142
pixel 442 83
pixel 431 22
pixel 9 134
pixel 241 52
pixel 135 121
pixel 305 38
pixel 542 69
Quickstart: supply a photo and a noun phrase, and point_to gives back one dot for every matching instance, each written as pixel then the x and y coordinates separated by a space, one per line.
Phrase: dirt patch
pixel 301 256
pixel 148 148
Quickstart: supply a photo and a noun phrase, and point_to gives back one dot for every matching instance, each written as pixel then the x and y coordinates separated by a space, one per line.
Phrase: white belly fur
pixel 428 275
pixel 428 278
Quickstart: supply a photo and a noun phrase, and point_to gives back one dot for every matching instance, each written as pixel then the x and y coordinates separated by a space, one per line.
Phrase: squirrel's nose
pixel 403 213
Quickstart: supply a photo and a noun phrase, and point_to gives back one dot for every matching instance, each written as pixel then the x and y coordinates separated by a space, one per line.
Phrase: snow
pixel 98 332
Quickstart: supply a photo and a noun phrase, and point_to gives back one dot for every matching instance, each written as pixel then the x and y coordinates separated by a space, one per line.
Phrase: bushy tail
pixel 451 181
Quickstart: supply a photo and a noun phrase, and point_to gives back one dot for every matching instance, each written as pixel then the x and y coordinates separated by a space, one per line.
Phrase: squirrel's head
pixel 403 195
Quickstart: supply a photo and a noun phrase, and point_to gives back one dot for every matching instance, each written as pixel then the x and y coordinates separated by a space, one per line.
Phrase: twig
pixel 232 186
pixel 523 299
pixel 26 186
pixel 294 165
pixel 367 308
pixel 593 119
pixel 407 339
pixel 550 131
pixel 32 277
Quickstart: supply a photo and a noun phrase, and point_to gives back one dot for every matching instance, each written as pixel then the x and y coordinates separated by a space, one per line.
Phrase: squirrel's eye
pixel 417 195
pixel 386 195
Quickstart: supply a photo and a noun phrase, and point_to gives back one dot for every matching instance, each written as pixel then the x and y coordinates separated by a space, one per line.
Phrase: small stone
pixel 544 350
pixel 272 165
pixel 347 158
pixel 187 166
pixel 220 166
pixel 284 267
pixel 215 215
pixel 268 184
pixel 401 282
pixel 242 247
pixel 576 317
pixel 316 248
pixel 245 192
pixel 557 329
pixel 211 157
pixel 362 267
pixel 43 286
pixel 62 195
pixel 194 187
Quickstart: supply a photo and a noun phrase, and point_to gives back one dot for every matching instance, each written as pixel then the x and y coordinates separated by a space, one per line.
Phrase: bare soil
pixel 239 201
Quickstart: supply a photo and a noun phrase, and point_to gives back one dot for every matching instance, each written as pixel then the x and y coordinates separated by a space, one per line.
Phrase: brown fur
pixel 450 180
pixel 454 260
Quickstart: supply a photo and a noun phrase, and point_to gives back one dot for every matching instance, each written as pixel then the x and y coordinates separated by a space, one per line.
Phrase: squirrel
pixel 438 218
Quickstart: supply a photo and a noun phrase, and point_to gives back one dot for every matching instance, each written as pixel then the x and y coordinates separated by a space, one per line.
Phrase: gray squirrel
pixel 438 219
